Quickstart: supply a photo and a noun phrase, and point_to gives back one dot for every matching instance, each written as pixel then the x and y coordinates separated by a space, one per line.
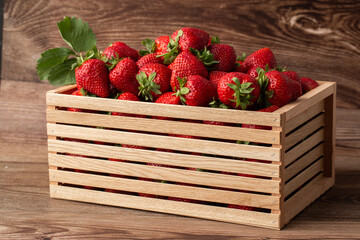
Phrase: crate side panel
pixel 303 198
pixel 164 142
pixel 303 147
pixel 303 177
pixel 330 132
pixel 165 173
pixel 165 110
pixel 304 161
pixel 165 126
pixel 159 205
pixel 165 189
pixel 304 131
pixel 166 158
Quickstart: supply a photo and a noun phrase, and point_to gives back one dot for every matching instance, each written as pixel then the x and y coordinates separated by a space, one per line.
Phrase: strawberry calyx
pixel 217 104
pixel 215 39
pixel 86 93
pixel 204 56
pixel 242 92
pixel 173 49
pixel 94 53
pixel 150 46
pixel 281 69
pixel 263 81
pixel 182 91
pixel 240 58
pixel 147 85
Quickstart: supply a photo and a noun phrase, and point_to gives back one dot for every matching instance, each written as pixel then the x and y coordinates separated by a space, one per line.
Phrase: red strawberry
pixel 123 50
pixel 93 76
pixel 129 97
pixel 260 58
pixel 277 88
pixel 123 76
pixel 162 45
pixel 307 84
pixel 254 71
pixel 239 64
pixel 268 109
pixel 225 55
pixel 292 75
pixel 294 88
pixel 169 98
pixel 195 91
pixel 186 64
pixel 238 90
pixel 215 76
pixel 154 79
pixel 191 38
pixel 150 58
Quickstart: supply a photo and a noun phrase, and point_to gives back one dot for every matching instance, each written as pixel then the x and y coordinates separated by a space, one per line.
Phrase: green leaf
pixel 184 91
pixel 215 39
pixel 241 58
pixel 77 34
pixel 62 74
pixel 50 59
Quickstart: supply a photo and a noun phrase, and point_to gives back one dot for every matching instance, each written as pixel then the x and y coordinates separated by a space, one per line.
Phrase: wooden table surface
pixel 26 210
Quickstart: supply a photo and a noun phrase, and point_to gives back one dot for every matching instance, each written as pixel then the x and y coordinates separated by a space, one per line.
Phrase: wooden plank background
pixel 318 39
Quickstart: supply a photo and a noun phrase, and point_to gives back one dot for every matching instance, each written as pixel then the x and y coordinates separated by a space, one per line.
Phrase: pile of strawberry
pixel 187 67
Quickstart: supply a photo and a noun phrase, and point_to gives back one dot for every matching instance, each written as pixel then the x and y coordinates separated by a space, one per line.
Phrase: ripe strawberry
pixel 162 45
pixel 186 64
pixel 150 58
pixel 129 97
pixel 154 79
pixel 124 50
pixel 215 76
pixel 192 38
pixel 226 56
pixel 93 76
pixel 268 109
pixel 238 90
pixel 294 88
pixel 307 84
pixel 169 98
pixel 254 71
pixel 292 75
pixel 123 76
pixel 260 58
pixel 239 64
pixel 195 91
pixel 276 87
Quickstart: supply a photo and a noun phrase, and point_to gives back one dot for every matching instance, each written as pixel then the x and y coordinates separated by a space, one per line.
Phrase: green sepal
pixel 93 53
pixel 242 92
pixel 182 91
pixel 204 56
pixel 147 85
pixel 173 49
pixel 217 104
pixel 243 142
pixel 77 34
pixel 281 69
pixel 241 58
pixel 215 39
pixel 86 93
pixel 50 58
pixel 150 46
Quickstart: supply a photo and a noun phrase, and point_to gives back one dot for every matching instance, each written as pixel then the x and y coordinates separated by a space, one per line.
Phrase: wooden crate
pixel 296 167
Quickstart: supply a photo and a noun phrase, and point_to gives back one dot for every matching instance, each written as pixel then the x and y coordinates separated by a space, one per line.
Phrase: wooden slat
pixel 165 173
pixel 63 89
pixel 304 161
pixel 164 126
pixel 330 132
pixel 304 116
pixel 164 189
pixel 165 142
pixel 306 196
pixel 173 207
pixel 304 176
pixel 304 131
pixel 166 158
pixel 303 147
pixel 307 100
pixel 166 110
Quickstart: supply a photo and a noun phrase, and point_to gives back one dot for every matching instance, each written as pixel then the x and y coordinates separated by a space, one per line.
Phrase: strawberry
pixel 129 97
pixel 268 109
pixel 162 45
pixel 154 79
pixel 239 64
pixel 186 64
pixel 215 76
pixel 93 76
pixel 294 88
pixel 260 58
pixel 192 38
pixel 195 91
pixel 254 71
pixel 150 58
pixel 169 98
pixel 123 76
pixel 238 90
pixel 124 50
pixel 307 84
pixel 292 75
pixel 225 55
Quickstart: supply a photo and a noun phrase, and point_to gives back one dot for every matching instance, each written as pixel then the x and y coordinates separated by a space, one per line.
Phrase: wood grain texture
pixel 319 39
